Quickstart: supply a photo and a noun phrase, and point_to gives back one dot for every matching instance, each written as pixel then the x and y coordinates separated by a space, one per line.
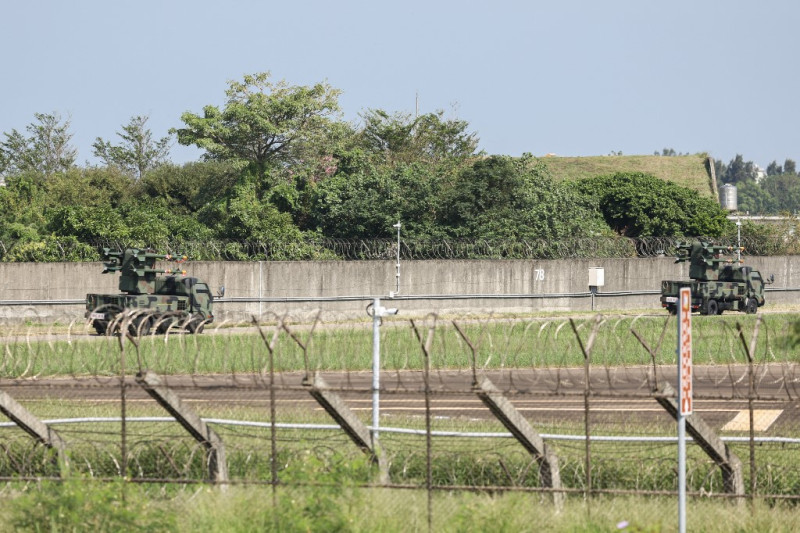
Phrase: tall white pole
pixel 378 313
pixel 681 473
pixel 397 264
pixel 376 367
pixel 738 238
pixel 685 394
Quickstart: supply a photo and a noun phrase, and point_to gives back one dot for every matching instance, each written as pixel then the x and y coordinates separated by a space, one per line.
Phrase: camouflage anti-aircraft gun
pixel 718 281
pixel 172 299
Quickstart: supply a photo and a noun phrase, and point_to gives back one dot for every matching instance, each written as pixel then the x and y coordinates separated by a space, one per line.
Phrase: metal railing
pixel 398 298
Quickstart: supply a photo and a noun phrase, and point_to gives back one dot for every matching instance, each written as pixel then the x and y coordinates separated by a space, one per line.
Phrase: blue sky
pixel 574 78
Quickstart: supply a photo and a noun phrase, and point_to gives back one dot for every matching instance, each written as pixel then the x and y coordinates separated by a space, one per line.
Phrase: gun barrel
pixel 146 270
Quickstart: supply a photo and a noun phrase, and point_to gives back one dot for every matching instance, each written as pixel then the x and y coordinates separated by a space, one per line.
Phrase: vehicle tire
pixel 196 325
pixel 751 306
pixel 114 328
pixel 712 308
pixel 140 326
pixel 165 321
pixel 101 326
pixel 672 309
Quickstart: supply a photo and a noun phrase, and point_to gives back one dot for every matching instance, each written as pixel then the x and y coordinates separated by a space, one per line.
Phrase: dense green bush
pixel 635 204
pixel 84 505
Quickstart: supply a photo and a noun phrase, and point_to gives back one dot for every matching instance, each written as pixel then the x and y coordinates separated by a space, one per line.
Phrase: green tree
pixel 789 167
pixel 402 138
pixel 138 152
pixel 739 170
pixel 87 224
pixel 393 168
pixel 291 188
pixel 503 198
pixel 637 204
pixel 774 168
pixel 152 223
pixel 22 204
pixel 79 203
pixel 366 204
pixel 784 190
pixel 755 199
pixel 246 217
pixel 49 249
pixel 103 188
pixel 187 188
pixel 263 123
pixel 46 150
pixel 770 239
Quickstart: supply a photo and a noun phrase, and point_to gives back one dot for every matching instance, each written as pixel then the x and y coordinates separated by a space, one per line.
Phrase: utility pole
pixel 397 264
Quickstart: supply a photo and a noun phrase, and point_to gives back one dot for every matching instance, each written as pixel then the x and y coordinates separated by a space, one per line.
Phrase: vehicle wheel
pixel 672 309
pixel 712 308
pixel 751 306
pixel 165 321
pixel 196 325
pixel 140 326
pixel 100 326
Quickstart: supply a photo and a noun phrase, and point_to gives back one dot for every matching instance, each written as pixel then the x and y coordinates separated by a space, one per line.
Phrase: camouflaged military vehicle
pixel 718 281
pixel 165 301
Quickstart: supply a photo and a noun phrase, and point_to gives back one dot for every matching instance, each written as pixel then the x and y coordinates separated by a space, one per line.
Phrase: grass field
pixel 162 450
pixel 99 507
pixel 500 343
pixel 323 475
pixel 687 171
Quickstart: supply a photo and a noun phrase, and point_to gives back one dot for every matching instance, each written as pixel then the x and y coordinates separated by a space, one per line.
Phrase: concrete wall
pixel 291 281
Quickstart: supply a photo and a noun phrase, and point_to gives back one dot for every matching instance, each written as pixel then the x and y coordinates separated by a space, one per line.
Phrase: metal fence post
pixel 425 346
pixel 378 312
pixel 376 369
pixel 273 467
pixel 586 349
pixel 749 350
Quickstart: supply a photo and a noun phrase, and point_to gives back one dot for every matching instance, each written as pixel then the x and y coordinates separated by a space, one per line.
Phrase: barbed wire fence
pixel 55 249
pixel 553 408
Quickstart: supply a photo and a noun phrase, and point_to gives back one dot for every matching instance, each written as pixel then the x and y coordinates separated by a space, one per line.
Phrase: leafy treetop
pixel 263 123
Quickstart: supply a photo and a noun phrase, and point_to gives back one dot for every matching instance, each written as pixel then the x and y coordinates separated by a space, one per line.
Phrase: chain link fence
pixel 555 408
